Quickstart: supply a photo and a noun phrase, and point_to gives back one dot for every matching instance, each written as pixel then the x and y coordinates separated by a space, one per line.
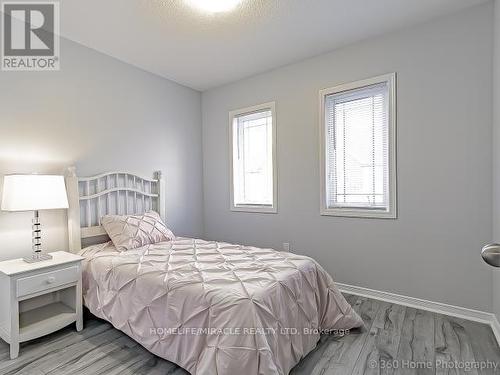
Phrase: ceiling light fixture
pixel 214 6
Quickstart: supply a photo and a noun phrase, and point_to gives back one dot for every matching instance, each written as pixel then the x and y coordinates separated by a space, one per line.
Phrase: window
pixel 358 153
pixel 253 161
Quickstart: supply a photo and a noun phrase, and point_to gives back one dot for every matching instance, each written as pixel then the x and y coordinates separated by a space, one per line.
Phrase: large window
pixel 253 166
pixel 358 152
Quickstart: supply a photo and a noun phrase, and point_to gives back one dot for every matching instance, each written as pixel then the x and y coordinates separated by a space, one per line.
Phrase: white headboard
pixel 113 193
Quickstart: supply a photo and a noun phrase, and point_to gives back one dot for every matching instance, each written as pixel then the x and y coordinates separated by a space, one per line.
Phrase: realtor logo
pixel 30 35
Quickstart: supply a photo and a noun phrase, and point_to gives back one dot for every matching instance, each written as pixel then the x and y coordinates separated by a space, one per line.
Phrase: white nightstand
pixel 39 298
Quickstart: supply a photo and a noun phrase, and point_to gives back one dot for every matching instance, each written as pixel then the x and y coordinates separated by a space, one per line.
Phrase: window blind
pixel 357 148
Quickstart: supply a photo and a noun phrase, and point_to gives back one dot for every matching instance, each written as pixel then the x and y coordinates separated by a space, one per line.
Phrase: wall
pixel 496 153
pixel 444 163
pixel 99 114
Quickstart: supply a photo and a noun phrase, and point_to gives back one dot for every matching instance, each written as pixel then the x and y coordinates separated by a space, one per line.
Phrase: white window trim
pixel 254 208
pixel 391 213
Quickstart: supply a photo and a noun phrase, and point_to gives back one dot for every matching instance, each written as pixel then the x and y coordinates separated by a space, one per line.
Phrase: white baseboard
pixel 436 307
pixel 495 326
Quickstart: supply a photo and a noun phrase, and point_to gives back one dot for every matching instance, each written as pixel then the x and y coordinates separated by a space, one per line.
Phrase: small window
pixel 358 150
pixel 253 161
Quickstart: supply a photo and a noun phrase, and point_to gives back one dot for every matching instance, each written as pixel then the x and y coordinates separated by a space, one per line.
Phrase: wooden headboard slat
pixel 102 175
pixel 113 190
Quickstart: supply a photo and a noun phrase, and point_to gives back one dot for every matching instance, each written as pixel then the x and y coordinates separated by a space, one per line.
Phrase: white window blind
pixel 252 166
pixel 358 149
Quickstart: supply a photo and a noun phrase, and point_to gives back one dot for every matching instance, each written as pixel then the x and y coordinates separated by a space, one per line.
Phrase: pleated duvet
pixel 213 307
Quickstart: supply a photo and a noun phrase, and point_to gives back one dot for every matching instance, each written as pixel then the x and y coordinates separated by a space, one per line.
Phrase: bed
pixel 210 307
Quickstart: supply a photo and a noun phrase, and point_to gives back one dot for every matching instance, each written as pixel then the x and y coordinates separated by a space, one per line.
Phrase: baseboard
pixel 436 307
pixel 495 326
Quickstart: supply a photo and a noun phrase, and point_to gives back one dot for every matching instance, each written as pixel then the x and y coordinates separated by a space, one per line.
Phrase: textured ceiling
pixel 203 50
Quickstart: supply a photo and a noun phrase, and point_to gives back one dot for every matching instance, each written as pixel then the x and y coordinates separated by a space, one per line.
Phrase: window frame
pixel 391 212
pixel 256 208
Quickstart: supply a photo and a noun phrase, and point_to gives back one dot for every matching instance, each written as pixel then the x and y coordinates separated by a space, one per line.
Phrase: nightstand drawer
pixel 48 280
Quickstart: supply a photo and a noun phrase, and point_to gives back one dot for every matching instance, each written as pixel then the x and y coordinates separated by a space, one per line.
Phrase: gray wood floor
pixel 396 340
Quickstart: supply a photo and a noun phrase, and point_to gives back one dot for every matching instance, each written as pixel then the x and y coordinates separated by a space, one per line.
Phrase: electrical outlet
pixel 286 247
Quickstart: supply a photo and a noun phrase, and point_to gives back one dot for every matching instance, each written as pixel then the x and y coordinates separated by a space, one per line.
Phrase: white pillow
pixel 132 231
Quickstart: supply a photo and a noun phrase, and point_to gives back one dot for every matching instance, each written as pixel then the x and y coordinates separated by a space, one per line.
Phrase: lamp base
pixel 37 258
pixel 36 255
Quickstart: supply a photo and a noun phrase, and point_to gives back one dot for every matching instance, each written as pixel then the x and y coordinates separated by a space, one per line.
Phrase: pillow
pixel 131 231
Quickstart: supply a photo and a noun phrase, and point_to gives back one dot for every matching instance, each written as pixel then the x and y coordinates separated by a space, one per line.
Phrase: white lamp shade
pixel 33 192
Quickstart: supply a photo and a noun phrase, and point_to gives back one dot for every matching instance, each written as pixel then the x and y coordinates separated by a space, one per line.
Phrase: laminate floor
pixel 396 340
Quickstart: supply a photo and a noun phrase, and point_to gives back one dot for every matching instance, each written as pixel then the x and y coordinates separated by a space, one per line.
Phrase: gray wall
pixel 444 163
pixel 496 153
pixel 99 114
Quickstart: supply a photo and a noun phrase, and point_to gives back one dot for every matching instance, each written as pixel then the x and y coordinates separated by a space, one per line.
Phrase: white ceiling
pixel 202 50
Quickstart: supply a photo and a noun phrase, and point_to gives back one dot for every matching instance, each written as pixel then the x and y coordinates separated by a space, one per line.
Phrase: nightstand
pixel 39 298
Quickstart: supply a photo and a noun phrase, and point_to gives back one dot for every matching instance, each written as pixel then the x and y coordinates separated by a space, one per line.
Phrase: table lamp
pixel 32 192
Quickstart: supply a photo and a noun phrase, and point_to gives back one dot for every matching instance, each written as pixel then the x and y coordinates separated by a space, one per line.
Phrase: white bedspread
pixel 216 308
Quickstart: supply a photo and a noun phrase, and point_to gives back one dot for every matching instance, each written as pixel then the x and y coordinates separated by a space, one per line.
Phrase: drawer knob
pixel 51 279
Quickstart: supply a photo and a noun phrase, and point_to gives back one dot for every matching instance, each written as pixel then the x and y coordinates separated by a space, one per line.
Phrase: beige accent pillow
pixel 131 231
